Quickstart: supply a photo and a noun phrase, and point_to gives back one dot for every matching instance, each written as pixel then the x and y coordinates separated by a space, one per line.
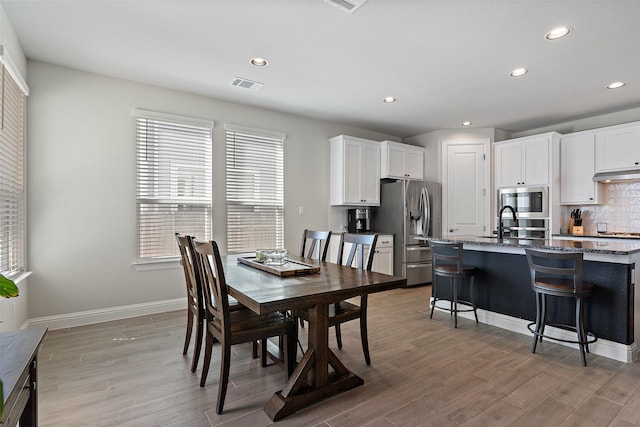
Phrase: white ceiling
pixel 445 61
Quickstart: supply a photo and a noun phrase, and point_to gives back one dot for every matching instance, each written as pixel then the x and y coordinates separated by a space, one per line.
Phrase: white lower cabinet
pixel 382 260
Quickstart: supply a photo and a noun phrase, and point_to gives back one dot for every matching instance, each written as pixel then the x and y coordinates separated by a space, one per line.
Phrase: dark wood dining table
pixel 264 292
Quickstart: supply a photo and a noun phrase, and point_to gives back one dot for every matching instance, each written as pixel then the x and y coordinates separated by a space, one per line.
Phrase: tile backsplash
pixel 620 210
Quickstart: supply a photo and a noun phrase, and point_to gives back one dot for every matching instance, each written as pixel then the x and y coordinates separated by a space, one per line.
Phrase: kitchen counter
pixel 576 245
pixel 612 236
pixel 505 298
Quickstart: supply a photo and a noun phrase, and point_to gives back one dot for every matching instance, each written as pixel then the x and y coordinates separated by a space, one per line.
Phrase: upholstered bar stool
pixel 448 262
pixel 559 274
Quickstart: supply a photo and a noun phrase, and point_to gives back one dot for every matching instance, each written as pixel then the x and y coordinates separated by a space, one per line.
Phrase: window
pixel 173 182
pixel 255 189
pixel 12 195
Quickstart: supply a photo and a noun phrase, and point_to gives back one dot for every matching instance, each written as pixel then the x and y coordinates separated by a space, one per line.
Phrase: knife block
pixel 575 229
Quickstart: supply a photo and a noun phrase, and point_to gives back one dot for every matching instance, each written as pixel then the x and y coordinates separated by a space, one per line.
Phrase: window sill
pixel 165 264
pixel 21 277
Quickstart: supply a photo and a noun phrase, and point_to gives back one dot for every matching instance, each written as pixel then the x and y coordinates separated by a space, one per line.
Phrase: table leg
pixel 311 380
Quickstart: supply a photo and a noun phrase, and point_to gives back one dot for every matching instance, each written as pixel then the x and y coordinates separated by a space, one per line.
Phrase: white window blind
pixel 255 189
pixel 174 175
pixel 12 213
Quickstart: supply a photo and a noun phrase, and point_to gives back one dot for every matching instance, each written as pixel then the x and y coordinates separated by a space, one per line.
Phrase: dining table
pixel 319 374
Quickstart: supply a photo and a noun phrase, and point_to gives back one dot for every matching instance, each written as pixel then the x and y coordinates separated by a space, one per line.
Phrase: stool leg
pixel 584 331
pixel 543 317
pixel 454 287
pixel 434 292
pixel 473 301
pixel 451 297
pixel 538 322
pixel 580 331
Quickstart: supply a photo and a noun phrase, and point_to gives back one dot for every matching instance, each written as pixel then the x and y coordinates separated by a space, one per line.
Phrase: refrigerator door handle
pixel 417 248
pixel 425 208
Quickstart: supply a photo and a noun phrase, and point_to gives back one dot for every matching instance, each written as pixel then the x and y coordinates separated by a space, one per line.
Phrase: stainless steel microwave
pixel 528 202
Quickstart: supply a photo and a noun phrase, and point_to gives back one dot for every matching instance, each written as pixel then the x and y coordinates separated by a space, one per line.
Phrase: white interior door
pixel 466 198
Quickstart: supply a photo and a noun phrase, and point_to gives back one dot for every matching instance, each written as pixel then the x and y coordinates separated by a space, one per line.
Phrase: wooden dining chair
pixel 344 311
pixel 235 327
pixel 195 302
pixel 315 244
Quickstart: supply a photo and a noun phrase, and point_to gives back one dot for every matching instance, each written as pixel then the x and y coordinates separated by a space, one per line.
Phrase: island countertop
pixel 586 246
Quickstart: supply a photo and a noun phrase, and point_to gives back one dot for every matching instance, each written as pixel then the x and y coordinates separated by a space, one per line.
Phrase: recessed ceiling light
pixel 259 62
pixel 557 33
pixel 388 99
pixel 518 72
pixel 466 123
pixel 615 85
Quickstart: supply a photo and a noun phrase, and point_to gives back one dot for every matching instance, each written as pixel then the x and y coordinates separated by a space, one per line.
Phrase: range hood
pixel 632 174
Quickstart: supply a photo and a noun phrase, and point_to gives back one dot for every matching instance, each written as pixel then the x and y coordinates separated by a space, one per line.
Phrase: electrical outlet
pixel 301 210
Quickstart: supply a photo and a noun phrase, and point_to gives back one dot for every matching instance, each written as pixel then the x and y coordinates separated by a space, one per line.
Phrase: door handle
pixel 451 230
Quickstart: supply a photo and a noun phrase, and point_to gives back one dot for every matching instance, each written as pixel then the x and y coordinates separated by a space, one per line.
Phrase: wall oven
pixel 532 212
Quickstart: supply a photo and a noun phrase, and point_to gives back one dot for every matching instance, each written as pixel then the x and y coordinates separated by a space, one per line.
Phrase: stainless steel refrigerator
pixel 409 209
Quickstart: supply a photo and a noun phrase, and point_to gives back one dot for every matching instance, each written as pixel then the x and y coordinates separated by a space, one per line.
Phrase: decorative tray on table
pixel 289 268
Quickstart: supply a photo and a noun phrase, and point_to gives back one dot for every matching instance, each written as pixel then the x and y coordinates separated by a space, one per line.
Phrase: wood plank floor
pixel 423 372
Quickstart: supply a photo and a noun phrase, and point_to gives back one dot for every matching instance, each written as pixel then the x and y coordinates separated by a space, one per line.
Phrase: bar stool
pixel 559 274
pixel 448 261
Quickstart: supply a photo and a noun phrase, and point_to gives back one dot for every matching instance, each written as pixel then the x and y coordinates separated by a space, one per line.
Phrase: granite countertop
pixel 615 248
pixel 617 236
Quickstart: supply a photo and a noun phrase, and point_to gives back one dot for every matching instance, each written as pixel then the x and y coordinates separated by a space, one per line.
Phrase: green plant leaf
pixel 8 287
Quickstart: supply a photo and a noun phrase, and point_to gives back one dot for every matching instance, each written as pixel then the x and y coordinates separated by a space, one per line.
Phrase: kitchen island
pixel 504 296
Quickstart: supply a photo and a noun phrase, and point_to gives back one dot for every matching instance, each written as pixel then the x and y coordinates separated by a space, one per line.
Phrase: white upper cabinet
pixel 577 166
pixel 355 171
pixel 508 164
pixel 401 161
pixel 523 161
pixel 618 148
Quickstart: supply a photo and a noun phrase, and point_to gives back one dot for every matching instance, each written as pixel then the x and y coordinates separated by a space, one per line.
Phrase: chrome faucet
pixel 501 224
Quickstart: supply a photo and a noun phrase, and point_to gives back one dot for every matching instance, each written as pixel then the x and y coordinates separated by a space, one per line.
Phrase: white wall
pixel 432 142
pixel 81 184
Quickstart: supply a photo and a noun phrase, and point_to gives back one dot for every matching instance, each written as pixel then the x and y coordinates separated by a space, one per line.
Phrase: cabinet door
pixel 415 164
pixel 383 260
pixel 396 161
pixel 535 162
pixel 352 172
pixel 370 175
pixel 508 165
pixel 577 165
pixel 618 148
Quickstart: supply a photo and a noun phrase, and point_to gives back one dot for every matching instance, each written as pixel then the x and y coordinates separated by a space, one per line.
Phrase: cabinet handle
pixel 636 163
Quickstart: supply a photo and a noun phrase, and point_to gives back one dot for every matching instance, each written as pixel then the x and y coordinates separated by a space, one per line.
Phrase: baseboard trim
pixel 89 317
pixel 602 347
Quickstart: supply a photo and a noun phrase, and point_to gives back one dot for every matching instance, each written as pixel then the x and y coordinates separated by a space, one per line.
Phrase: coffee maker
pixel 358 220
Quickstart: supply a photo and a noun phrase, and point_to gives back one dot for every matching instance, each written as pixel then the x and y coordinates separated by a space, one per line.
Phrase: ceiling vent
pixel 246 84
pixel 348 6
